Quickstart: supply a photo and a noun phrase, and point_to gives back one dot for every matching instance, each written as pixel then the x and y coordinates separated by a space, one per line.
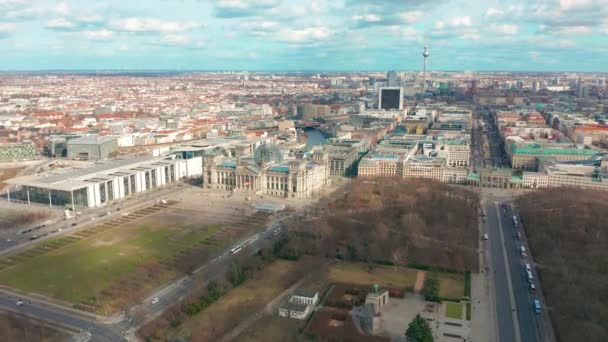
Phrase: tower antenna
pixel 425 55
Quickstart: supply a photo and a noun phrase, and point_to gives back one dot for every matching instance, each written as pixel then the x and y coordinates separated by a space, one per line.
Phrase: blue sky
pixel 543 35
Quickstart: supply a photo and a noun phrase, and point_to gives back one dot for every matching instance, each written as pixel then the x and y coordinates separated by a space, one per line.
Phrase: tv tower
pixel 425 54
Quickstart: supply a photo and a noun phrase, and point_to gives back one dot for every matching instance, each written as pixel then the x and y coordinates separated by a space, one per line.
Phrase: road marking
pixel 508 271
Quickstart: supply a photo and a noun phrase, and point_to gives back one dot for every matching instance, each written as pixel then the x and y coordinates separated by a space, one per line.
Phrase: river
pixel 314 137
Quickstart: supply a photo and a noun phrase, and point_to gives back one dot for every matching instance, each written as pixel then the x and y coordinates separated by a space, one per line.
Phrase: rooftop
pixel 77 178
pixel 92 139
pixel 537 149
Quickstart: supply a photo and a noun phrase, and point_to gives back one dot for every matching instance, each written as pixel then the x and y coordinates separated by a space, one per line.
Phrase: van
pixel 537 306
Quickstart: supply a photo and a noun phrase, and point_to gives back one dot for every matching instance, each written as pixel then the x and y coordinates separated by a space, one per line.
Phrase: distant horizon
pixel 295 71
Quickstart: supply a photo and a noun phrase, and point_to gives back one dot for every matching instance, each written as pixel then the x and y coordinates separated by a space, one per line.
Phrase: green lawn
pixel 386 276
pixel 451 285
pixel 81 270
pixel 453 310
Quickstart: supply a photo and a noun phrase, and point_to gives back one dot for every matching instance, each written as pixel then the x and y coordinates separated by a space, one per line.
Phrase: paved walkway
pixel 419 284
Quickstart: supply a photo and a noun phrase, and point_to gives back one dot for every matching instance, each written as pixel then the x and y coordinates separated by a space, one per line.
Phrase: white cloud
pixel 305 35
pixel 370 18
pixel 464 21
pixel 175 40
pixel 574 4
pixel 60 24
pixel 411 17
pixel 6 30
pixel 409 33
pixel 534 55
pixel 494 12
pixel 505 29
pixel 152 25
pixel 98 35
pixel 470 36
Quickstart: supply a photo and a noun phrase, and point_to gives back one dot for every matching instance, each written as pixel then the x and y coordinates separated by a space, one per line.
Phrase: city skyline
pixel 552 35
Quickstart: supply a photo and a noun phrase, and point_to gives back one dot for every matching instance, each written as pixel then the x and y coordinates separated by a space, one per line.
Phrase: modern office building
pixel 92 147
pixel 18 151
pixel 391 76
pixel 104 181
pixel 390 98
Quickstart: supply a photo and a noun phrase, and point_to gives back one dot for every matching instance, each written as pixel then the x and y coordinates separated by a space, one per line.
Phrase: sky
pixel 312 35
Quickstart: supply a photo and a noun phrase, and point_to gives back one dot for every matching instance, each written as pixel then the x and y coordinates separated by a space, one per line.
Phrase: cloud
pixel 61 24
pixel 260 28
pixel 306 35
pixel 534 55
pixel 494 12
pixel 505 29
pixel 464 21
pixel 18 10
pixel 242 8
pixel 6 30
pixel 99 35
pixel 411 17
pixel 369 18
pixel 179 40
pixel 151 25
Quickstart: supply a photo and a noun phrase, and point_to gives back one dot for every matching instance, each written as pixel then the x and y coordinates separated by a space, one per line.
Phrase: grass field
pixel 451 285
pixel 82 270
pixel 272 328
pixel 453 310
pixel 239 303
pixel 382 275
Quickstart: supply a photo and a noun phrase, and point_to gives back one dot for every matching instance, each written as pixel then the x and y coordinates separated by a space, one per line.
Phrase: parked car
pixel 532 288
pixel 485 236
pixel 155 300
pixel 537 306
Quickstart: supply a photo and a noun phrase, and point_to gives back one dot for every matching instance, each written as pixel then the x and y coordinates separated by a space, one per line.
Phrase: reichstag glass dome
pixel 268 153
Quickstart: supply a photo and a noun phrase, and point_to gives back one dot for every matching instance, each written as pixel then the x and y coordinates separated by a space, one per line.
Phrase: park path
pixel 419 284
pixel 267 309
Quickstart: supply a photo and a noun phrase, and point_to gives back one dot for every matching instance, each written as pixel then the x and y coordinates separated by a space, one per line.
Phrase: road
pixel 498 273
pixel 145 311
pixel 62 317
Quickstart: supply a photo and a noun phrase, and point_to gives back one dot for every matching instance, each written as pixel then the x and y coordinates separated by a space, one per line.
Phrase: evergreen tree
pixel 419 330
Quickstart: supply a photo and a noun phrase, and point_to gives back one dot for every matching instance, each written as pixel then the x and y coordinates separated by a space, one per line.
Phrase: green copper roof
pixel 537 149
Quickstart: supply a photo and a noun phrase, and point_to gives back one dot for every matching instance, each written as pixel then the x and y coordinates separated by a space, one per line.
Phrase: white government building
pixel 103 181
pixel 229 167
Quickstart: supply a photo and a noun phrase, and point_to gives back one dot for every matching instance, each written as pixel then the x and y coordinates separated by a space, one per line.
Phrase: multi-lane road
pixel 516 319
pixel 514 298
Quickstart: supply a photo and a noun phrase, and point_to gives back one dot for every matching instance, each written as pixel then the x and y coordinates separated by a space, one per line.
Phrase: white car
pixel 19 302
pixel 155 300
pixel 485 236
